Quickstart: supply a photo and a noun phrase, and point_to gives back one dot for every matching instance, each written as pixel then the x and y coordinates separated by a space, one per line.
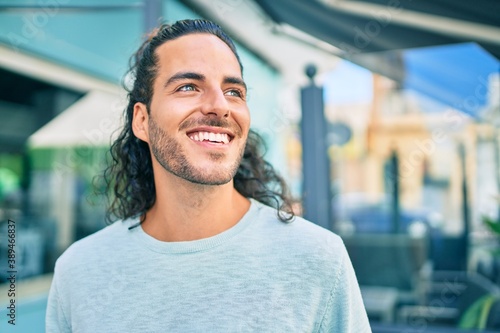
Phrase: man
pixel 198 248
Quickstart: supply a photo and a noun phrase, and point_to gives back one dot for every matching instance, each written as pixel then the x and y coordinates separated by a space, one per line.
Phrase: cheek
pixel 243 119
pixel 168 115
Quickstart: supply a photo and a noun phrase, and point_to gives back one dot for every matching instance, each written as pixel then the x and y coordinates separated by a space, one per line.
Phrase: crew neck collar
pixel 199 245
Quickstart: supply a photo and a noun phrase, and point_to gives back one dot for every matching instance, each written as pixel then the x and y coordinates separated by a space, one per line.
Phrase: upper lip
pixel 211 129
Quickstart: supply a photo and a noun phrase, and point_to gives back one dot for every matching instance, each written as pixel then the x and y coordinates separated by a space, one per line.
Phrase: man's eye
pixel 187 87
pixel 235 93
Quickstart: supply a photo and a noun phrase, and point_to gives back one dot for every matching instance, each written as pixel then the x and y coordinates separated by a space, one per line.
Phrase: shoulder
pixel 298 226
pixel 298 249
pixel 301 236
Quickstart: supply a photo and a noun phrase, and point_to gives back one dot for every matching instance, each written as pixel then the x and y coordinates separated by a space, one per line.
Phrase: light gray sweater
pixel 262 275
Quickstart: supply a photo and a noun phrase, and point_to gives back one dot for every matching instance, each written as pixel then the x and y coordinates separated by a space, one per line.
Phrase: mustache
pixel 212 121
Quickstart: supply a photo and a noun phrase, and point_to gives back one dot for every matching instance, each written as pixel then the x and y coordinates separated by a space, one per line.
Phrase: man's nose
pixel 215 103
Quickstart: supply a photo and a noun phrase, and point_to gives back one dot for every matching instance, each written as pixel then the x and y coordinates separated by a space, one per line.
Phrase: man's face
pixel 199 119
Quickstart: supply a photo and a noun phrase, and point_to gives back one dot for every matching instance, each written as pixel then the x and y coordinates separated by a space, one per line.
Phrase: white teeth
pixel 209 136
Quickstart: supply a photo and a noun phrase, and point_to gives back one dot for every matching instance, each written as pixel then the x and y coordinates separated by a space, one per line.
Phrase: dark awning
pixel 458 40
pixel 376 25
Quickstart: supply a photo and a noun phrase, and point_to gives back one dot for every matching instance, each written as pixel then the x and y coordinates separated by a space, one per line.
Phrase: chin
pixel 213 177
pixel 211 180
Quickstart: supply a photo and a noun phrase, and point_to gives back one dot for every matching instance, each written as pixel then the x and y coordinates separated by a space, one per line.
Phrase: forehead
pixel 201 52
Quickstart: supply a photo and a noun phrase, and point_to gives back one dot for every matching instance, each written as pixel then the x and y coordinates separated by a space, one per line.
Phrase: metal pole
pixel 315 163
pixel 396 211
pixel 465 207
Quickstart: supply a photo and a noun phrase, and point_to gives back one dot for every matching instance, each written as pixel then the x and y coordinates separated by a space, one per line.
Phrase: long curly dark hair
pixel 129 179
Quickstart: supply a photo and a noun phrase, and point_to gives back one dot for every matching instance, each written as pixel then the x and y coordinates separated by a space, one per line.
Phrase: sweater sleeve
pixel 345 311
pixel 55 320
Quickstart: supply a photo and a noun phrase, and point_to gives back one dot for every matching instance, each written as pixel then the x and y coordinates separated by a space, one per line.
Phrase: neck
pixel 185 211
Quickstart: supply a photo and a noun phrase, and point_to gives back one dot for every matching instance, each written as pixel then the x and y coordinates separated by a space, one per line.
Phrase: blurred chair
pixel 388 269
pixel 447 296
pixel 447 252
pixel 387 260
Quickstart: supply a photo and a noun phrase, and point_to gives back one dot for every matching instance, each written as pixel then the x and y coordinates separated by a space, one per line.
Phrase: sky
pixel 348 84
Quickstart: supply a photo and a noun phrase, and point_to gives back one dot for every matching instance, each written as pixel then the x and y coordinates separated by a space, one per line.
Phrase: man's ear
pixel 140 122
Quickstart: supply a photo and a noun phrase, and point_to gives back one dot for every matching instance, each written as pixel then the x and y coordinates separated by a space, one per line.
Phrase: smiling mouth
pixel 216 138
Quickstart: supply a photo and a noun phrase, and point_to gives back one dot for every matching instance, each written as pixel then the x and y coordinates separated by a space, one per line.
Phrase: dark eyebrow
pixel 235 80
pixel 200 77
pixel 184 75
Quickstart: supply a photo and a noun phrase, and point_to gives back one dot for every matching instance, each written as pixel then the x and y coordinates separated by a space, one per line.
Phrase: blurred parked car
pixel 356 212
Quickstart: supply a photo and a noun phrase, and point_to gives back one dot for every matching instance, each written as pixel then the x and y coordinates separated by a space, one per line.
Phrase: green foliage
pixel 493 225
pixel 476 316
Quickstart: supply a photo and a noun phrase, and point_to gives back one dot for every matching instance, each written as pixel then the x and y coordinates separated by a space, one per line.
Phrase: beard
pixel 172 157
